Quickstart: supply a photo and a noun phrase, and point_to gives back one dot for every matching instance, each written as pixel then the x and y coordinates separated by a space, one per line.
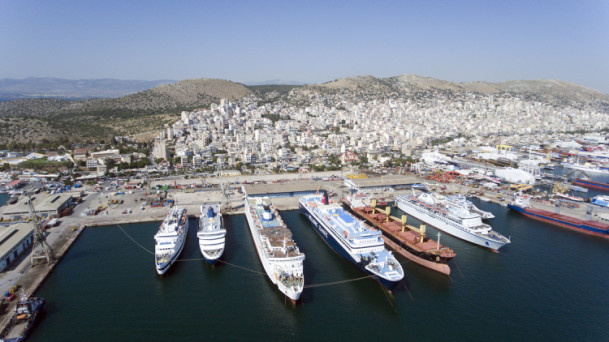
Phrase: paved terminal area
pixel 137 206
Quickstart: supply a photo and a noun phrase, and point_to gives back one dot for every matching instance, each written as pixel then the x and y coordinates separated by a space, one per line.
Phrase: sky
pixel 307 41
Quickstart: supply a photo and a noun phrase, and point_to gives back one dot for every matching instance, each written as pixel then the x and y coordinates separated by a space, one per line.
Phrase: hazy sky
pixel 306 41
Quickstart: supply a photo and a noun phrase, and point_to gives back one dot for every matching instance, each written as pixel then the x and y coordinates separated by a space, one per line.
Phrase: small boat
pixel 20 325
pixel 569 197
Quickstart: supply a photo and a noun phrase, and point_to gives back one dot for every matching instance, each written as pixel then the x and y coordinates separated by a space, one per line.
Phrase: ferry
pixel 459 222
pixel 352 239
pixel 170 239
pixel 278 253
pixel 211 234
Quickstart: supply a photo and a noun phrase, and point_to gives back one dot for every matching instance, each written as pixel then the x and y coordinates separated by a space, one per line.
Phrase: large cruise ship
pixel 170 239
pixel 352 239
pixel 278 253
pixel 211 234
pixel 457 221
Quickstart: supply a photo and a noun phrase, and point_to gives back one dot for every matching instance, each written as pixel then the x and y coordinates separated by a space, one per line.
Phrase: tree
pixel 110 163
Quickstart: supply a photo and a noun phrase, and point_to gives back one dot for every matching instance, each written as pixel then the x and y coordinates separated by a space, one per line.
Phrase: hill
pixel 554 92
pixel 36 120
pixel 53 119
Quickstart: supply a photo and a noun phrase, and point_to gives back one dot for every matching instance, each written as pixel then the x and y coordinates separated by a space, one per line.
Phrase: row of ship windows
pixel 440 218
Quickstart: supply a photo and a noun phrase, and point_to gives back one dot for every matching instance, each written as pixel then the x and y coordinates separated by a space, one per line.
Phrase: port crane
pixel 40 248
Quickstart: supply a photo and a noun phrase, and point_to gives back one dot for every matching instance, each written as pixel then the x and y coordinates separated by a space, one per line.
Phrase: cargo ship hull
pixel 592 185
pixel 584 226
pixel 402 246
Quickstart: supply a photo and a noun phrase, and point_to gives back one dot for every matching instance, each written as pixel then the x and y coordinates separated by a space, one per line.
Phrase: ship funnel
pixel 210 212
pixel 324 198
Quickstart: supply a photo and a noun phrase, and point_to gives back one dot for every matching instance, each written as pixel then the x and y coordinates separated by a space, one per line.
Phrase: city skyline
pixel 310 43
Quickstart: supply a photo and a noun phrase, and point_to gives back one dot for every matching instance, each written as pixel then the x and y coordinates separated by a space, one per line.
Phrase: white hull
pixel 211 234
pixel 272 265
pixel 448 226
pixel 170 243
pixel 209 253
pixel 174 257
pixel 586 170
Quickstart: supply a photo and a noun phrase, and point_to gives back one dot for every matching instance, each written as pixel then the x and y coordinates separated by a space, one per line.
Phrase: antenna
pixel 40 248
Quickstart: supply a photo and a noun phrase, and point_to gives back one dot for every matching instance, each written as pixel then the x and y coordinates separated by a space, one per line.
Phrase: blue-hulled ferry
pixel 352 239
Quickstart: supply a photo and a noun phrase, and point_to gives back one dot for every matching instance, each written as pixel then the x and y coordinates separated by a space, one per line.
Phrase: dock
pixel 115 205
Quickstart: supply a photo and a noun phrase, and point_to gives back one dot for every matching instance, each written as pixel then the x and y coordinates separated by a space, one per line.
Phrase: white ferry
pixel 211 234
pixel 352 239
pixel 170 239
pixel 457 221
pixel 277 251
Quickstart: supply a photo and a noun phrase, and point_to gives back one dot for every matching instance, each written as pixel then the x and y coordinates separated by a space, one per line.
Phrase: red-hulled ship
pixel 522 205
pixel 591 185
pixel 410 242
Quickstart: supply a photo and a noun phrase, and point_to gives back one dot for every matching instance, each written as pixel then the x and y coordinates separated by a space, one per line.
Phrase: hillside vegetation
pixel 35 120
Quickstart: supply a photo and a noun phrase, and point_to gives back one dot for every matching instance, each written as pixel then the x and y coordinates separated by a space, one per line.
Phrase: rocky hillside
pixel 96 119
pixel 553 92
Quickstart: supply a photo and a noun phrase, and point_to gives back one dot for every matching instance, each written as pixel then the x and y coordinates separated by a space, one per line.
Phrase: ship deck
pixel 274 222
pixel 410 237
pixel 342 221
pixel 276 237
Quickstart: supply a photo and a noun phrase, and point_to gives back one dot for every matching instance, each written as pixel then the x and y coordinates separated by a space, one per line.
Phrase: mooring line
pixel 335 282
pixel 130 238
pixel 245 268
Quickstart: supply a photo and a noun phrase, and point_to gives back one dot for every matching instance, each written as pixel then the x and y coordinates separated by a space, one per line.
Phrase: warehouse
pixel 45 206
pixel 14 240
pixel 382 183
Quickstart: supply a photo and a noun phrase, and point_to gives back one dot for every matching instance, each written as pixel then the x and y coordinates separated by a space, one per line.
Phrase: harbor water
pixel 549 284
pixel 4 198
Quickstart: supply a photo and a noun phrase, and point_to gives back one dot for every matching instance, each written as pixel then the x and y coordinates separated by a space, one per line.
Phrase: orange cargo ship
pixel 410 242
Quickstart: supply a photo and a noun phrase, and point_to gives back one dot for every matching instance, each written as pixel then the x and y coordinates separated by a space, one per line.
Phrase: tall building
pixel 160 150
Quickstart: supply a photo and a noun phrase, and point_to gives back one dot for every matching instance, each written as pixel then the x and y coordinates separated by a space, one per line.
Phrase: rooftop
pixel 391 180
pixel 42 203
pixel 12 235
pixel 275 188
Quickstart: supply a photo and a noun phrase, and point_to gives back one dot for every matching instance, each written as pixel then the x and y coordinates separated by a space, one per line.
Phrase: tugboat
pixel 26 313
